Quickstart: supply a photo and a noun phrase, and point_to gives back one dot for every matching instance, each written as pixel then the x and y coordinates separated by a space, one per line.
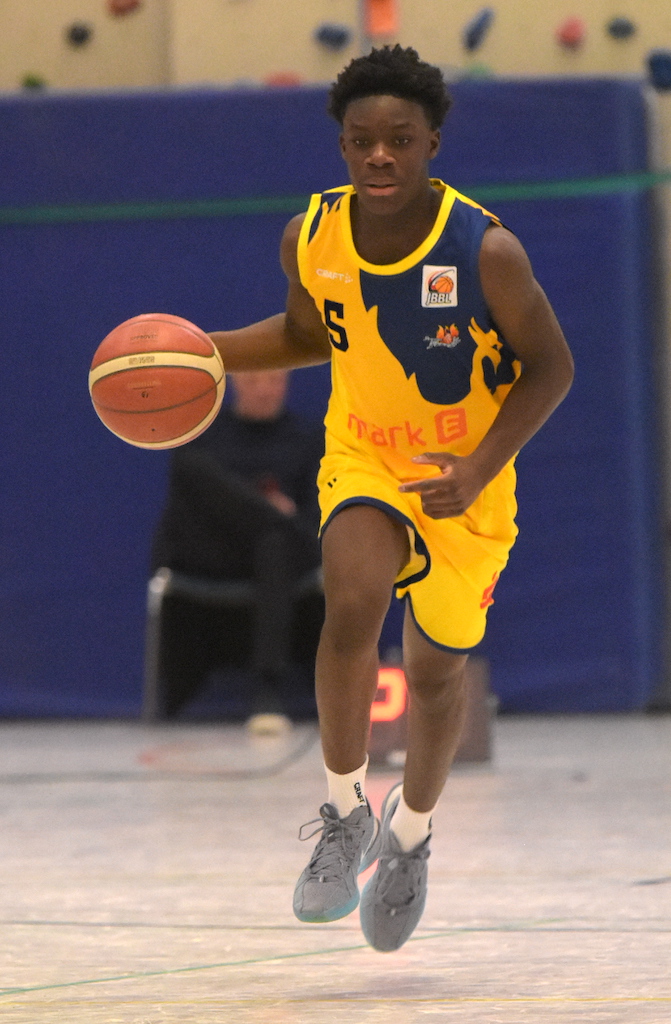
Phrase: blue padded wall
pixel 577 623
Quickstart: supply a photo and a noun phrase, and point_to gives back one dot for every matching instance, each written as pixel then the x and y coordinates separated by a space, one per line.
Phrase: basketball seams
pixel 167 318
pixel 202 343
pixel 159 358
pixel 216 393
pixel 176 441
pixel 212 389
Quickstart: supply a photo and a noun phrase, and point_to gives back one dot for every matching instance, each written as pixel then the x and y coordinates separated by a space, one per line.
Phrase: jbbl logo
pixel 439 286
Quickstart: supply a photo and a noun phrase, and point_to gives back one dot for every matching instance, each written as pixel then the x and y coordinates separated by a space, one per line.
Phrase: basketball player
pixel 446 359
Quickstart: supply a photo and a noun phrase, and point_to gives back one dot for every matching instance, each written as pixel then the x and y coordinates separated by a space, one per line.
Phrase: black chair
pixel 164 697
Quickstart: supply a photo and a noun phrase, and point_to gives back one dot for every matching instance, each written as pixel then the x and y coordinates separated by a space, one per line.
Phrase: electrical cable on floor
pixel 161 775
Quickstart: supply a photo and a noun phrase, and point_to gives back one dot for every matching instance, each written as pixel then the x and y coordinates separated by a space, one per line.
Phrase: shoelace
pixel 402 871
pixel 337 844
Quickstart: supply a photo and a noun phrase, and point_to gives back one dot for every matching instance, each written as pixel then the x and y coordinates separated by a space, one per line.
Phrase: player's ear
pixel 434 143
pixel 341 143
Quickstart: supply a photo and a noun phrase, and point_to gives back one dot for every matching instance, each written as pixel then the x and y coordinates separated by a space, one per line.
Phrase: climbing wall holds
pixel 477 28
pixel 380 18
pixel 659 66
pixel 78 34
pixel 283 79
pixel 621 28
pixel 120 7
pixel 478 70
pixel 571 33
pixel 32 81
pixel 333 37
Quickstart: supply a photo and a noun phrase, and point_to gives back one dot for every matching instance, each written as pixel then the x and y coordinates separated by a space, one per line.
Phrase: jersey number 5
pixel 337 332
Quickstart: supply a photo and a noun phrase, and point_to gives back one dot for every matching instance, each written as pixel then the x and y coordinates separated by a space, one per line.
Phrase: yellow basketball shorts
pixel 454 563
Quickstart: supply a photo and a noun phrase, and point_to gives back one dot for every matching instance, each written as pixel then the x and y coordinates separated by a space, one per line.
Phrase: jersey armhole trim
pixel 302 248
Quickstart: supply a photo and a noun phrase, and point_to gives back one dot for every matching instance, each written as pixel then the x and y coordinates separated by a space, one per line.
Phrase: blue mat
pixel 577 623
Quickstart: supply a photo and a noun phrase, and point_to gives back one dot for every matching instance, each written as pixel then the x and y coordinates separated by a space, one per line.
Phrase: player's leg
pixel 436 708
pixel 393 900
pixel 363 551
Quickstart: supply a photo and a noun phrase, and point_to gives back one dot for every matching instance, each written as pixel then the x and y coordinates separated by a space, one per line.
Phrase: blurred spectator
pixel 242 504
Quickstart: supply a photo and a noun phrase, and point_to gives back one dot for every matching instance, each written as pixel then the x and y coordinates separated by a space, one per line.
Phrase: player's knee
pixel 354 617
pixel 439 684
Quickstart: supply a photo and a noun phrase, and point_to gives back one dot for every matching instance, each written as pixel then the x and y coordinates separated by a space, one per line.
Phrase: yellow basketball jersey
pixel 418 365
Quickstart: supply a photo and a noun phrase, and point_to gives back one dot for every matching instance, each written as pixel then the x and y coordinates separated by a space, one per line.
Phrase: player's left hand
pixel 451 493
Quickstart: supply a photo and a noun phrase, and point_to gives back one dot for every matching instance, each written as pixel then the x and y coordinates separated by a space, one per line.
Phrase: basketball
pixel 157 381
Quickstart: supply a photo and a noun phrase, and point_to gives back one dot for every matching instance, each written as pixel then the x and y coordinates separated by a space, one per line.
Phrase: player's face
pixel 387 144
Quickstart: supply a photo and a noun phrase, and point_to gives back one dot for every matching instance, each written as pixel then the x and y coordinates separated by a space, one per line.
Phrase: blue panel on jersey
pixel 414 333
pixel 443 373
pixel 330 200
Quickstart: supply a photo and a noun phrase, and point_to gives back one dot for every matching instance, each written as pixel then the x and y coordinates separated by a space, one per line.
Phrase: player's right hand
pixel 450 493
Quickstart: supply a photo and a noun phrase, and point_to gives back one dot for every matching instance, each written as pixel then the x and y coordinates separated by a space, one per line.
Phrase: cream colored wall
pixel 233 40
pixel 227 40
pixel 521 40
pixel 127 51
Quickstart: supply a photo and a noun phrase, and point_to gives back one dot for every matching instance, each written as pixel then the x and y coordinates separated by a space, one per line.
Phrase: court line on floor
pixel 530 926
pixel 337 1000
pixel 548 925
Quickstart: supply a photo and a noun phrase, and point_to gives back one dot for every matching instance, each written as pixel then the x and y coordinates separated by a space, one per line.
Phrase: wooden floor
pixel 147 876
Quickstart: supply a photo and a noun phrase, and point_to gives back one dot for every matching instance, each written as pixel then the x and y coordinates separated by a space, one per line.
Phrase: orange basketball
pixel 157 381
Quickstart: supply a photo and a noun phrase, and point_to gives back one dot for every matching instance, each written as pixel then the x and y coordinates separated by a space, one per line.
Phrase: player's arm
pixel 296 337
pixel 520 309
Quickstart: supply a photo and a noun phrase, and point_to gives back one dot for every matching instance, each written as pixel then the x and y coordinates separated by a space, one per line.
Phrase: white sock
pixel 410 827
pixel 346 792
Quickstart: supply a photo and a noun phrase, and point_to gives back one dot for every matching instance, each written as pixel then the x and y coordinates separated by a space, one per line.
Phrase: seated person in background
pixel 242 504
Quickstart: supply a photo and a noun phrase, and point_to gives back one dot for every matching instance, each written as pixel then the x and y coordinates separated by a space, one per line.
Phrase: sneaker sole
pixel 327 916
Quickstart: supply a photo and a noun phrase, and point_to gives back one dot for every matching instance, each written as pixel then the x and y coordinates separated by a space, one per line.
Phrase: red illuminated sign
pixel 390 699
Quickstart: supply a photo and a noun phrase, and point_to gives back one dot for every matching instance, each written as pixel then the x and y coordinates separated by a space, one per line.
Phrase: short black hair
pixel 391 71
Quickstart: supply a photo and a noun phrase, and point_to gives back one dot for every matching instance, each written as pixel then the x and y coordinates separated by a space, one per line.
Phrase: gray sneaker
pixel 393 900
pixel 327 889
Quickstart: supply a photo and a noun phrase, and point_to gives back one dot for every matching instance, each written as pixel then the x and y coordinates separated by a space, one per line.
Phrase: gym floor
pixel 147 876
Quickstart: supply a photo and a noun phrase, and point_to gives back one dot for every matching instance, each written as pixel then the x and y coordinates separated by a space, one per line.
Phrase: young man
pixel 446 359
